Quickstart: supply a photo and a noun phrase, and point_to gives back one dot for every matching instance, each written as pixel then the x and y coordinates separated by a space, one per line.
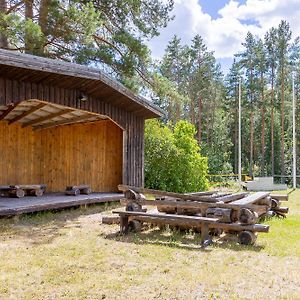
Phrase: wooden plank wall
pixel 12 91
pixel 61 156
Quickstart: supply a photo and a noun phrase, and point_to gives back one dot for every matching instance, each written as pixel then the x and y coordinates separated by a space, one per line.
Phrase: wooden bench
pixel 246 232
pixel 203 222
pixel 74 190
pixel 20 190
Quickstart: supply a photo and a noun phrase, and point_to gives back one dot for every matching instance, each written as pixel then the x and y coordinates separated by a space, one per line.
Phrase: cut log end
pixel 135 225
pixel 247 237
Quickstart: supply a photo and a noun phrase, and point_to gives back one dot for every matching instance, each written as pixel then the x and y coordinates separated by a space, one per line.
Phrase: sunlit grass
pixel 70 255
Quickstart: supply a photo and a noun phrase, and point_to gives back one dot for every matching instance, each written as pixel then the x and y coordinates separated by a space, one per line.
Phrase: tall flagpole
pixel 294 136
pixel 240 137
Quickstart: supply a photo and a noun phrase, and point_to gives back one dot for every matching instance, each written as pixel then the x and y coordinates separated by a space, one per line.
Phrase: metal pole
pixel 294 137
pixel 240 137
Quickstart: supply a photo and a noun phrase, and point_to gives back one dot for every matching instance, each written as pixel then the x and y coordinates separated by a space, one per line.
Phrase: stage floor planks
pixel 15 206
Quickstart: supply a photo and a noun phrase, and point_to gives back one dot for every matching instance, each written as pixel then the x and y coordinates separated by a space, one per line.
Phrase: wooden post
pixel 123 224
pixel 204 234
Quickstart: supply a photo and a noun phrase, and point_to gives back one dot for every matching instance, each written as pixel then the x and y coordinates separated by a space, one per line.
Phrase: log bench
pixel 246 233
pixel 20 190
pixel 74 190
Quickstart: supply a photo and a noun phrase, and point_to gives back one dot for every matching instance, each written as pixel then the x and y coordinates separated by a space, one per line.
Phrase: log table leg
pixel 123 224
pixel 205 239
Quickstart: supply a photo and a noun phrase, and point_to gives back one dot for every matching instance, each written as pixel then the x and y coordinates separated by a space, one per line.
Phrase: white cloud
pixel 225 34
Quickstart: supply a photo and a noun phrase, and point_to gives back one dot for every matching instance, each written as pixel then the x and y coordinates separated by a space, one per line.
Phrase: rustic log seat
pixel 246 232
pixel 74 190
pixel 19 191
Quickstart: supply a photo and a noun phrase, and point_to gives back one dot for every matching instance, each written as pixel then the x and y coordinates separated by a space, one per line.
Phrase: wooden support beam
pixel 64 122
pixel 203 198
pixel 10 108
pixel 48 117
pixel 27 113
pixel 196 205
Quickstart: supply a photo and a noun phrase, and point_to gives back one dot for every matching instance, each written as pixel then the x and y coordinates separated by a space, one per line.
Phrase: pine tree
pixel 283 39
pixel 270 42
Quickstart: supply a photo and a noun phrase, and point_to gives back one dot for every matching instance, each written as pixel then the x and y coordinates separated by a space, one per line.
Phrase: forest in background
pixel 187 82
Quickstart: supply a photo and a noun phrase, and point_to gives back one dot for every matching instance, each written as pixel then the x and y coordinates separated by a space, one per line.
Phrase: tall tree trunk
pixel 3 38
pixel 282 122
pixel 28 16
pixel 43 20
pixel 200 120
pixel 177 114
pixel 192 111
pixel 251 143
pixel 262 126
pixel 236 141
pixel 272 123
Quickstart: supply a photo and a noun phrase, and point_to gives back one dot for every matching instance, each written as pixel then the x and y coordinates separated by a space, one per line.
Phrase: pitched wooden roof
pixel 91 81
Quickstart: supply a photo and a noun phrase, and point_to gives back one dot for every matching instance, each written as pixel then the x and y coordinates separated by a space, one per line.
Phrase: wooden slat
pixel 10 108
pixel 233 197
pixel 48 117
pixel 64 122
pixel 166 216
pixel 27 113
pixel 251 198
pixel 280 197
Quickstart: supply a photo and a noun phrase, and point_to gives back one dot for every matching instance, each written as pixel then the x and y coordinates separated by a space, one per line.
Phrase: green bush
pixel 172 158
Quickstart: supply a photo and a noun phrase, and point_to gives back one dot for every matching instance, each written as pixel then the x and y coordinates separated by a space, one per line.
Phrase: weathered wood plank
pixel 251 198
pixel 164 193
pixel 26 113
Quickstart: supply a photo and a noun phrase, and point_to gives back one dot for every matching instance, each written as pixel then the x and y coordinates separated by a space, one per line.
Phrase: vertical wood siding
pixel 12 91
pixel 65 155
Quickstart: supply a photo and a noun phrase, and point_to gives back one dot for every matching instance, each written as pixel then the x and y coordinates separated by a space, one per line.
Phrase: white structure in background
pixel 263 184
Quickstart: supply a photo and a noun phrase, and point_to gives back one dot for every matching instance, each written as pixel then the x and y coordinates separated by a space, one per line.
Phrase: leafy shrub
pixel 172 158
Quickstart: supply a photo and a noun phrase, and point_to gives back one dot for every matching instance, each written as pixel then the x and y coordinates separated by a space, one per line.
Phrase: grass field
pixel 70 255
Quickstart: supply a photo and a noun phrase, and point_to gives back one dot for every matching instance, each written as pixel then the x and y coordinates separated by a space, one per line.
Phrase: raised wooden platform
pixel 14 206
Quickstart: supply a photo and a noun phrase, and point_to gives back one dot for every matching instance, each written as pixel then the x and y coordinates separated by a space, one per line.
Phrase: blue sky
pixel 223 24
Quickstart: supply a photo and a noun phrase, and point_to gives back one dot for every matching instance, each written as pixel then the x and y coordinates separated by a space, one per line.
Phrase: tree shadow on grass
pixel 188 240
pixel 43 227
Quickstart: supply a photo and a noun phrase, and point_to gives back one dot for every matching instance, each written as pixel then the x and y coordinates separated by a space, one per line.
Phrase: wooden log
pixel 80 187
pixel 248 216
pixel 167 216
pixel 30 186
pixel 111 220
pixel 36 192
pixel 223 214
pixel 135 225
pixel 251 199
pixel 187 211
pixel 73 192
pixel 17 193
pixel 265 201
pixel 274 203
pixel 168 209
pixel 86 191
pixel 280 197
pixel 203 198
pixel 232 197
pixel 192 221
pixel 130 194
pixel 260 209
pixel 247 237
pixel 134 207
pixel 283 210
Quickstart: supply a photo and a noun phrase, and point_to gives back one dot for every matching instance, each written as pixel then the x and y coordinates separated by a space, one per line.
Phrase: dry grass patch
pixel 70 255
